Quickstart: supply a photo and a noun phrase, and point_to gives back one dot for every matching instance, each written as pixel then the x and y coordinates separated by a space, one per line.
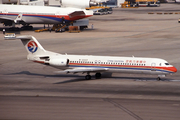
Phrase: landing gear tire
pixel 158 78
pixel 88 77
pixel 98 75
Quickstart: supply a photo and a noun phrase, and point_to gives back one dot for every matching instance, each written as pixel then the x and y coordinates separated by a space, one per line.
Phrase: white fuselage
pixel 115 64
pixel 41 14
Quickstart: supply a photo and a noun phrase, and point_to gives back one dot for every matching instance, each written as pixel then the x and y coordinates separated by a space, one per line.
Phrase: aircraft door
pixel 5 12
pixel 153 66
pixel 57 14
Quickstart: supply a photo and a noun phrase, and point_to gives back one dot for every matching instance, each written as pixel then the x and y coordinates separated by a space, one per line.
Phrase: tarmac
pixel 31 91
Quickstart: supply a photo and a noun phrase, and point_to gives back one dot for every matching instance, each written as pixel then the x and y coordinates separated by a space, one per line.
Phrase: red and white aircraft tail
pixel 35 51
pixel 32 45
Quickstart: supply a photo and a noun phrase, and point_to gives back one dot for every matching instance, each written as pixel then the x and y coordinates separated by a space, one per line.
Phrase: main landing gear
pixel 97 76
pixel 88 77
pixel 158 78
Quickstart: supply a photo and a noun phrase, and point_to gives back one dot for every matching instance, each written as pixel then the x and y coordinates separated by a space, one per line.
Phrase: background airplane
pixel 94 64
pixel 26 15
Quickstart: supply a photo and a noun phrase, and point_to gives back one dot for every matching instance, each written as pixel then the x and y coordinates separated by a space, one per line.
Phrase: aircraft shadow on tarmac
pixel 78 78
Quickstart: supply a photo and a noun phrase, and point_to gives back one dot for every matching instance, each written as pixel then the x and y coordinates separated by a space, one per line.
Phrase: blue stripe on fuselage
pixel 47 17
pixel 147 69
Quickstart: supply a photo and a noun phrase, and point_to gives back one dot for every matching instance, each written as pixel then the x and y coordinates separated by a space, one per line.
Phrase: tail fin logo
pixel 32 46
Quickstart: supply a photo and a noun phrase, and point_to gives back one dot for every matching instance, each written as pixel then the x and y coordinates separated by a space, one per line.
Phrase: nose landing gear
pixel 160 76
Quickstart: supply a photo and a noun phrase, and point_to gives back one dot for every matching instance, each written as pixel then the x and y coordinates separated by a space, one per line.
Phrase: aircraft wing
pixel 10 20
pixel 3 19
pixel 83 70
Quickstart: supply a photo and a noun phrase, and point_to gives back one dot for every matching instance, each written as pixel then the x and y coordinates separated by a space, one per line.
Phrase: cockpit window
pixel 166 63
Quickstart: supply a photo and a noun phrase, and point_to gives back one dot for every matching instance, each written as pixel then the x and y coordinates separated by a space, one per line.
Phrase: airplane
pixel 94 64
pixel 26 15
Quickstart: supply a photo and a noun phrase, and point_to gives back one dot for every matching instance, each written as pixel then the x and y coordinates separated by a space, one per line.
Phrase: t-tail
pixel 32 46
pixel 35 51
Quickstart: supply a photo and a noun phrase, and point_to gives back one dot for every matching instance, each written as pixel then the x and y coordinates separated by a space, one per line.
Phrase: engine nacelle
pixel 75 3
pixel 59 62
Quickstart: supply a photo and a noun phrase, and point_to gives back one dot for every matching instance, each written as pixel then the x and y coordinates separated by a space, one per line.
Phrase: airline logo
pixel 32 46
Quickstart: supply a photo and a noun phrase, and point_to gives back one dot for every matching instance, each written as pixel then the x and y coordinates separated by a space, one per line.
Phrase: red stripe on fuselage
pixel 66 17
pixel 171 69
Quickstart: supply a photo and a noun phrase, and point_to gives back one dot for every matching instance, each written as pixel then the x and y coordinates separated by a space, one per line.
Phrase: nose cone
pixel 173 69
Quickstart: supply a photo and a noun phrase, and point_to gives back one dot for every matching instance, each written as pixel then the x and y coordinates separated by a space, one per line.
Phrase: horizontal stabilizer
pixel 80 14
pixel 31 44
pixel 76 14
pixel 12 36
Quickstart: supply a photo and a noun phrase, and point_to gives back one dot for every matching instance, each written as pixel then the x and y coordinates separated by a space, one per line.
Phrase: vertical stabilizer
pixel 32 45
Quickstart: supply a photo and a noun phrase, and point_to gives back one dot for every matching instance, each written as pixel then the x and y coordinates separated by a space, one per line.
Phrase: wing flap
pixel 5 19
